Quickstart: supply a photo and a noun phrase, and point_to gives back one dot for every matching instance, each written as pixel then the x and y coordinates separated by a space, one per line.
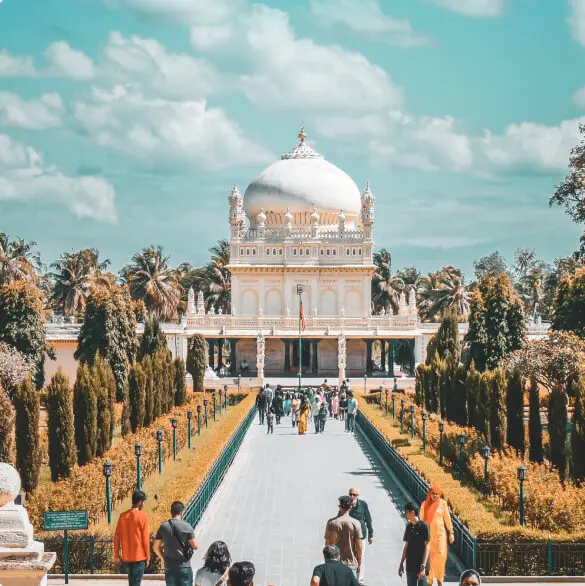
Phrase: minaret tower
pixel 236 212
pixel 367 219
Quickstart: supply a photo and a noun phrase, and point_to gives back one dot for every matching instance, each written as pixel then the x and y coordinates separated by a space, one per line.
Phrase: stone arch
pixel 328 303
pixel 273 304
pixel 353 303
pixel 249 303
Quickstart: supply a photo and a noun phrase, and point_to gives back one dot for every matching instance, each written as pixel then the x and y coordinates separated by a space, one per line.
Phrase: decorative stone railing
pixel 322 233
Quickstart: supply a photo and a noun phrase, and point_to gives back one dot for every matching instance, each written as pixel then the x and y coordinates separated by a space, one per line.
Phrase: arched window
pixel 294 251
pixel 307 252
pixel 360 251
pixel 268 251
pixel 335 252
pixel 301 252
pixel 274 252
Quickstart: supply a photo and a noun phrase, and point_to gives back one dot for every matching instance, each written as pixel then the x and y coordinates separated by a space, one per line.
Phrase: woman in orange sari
pixel 304 415
pixel 435 513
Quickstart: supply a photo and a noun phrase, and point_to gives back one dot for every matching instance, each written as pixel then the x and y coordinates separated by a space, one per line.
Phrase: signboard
pixel 65 520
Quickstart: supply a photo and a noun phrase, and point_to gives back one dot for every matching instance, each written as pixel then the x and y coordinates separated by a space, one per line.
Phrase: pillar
pixel 419 349
pixel 341 357
pixel 211 346
pixel 383 355
pixel 233 356
pixel 260 348
pixel 286 356
pixel 369 356
pixel 411 355
pixel 219 353
pixel 391 358
pixel 314 357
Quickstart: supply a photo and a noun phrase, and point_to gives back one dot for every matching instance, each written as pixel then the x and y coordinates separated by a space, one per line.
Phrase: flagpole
pixel 300 294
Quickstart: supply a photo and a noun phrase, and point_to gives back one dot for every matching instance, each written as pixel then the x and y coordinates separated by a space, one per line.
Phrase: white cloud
pixel 147 63
pixel 433 144
pixel 577 20
pixel 206 37
pixel 16 65
pixel 45 112
pixel 293 72
pixel 24 176
pixel 474 8
pixel 63 61
pixel 167 134
pixel 366 17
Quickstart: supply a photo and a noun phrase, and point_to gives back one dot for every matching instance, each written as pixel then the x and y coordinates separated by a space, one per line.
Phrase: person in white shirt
pixel 352 408
pixel 217 563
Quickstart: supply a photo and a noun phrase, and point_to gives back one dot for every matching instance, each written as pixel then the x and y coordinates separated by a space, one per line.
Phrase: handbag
pixel 186 549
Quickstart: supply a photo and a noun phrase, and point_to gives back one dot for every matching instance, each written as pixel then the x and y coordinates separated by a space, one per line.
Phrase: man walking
pixel 133 539
pixel 361 513
pixel 178 542
pixel 332 572
pixel 417 546
pixel 352 407
pixel 345 533
pixel 261 406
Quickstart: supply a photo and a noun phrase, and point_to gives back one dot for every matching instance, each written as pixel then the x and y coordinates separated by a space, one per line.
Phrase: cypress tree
pixel 180 385
pixel 435 385
pixel 477 333
pixel 534 423
pixel 148 391
pixel 483 408
pixel 137 396
pixel 85 411
pixel 28 452
pixel 515 411
pixel 459 391
pixel 472 381
pixel 445 390
pixel 498 409
pixel 105 379
pixel 578 432
pixel 169 381
pixel 61 431
pixel 6 428
pixel 153 339
pixel 157 375
pixel 419 390
pixel 448 345
pixel 125 425
pixel 196 361
pixel 557 430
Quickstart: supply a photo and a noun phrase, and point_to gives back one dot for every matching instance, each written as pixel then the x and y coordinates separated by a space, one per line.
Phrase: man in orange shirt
pixel 133 538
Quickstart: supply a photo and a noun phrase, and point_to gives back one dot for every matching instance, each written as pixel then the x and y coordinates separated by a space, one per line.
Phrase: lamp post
pixel 441 431
pixel 159 439
pixel 214 406
pixel 462 438
pixel 393 405
pixel 174 423
pixel 301 325
pixel 198 419
pixel 220 401
pixel 239 382
pixel 425 416
pixel 412 422
pixel 108 473
pixel 402 401
pixel 205 403
pixel 365 383
pixel 522 471
pixel 486 454
pixel 387 393
pixel 138 452
pixel 225 396
pixel 189 418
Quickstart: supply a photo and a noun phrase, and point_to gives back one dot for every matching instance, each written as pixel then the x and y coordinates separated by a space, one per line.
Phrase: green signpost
pixel 65 521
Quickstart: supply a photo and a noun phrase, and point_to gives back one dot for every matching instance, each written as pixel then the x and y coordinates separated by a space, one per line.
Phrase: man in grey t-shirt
pixel 176 537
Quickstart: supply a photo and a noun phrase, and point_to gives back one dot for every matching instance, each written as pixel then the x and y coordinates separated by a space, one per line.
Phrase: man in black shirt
pixel 333 572
pixel 361 512
pixel 417 539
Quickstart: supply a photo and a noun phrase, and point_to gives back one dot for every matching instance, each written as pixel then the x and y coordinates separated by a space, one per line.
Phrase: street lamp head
pixel 365 377
pixel 159 435
pixel 462 439
pixel 189 414
pixel 412 409
pixel 225 388
pixel 138 449
pixel 486 452
pixel 387 392
pixel 174 422
pixel 299 289
pixel 402 401
pixel 239 378
pixel 108 468
pixel 425 415
pixel 441 426
pixel 198 408
pixel 522 472
pixel 205 401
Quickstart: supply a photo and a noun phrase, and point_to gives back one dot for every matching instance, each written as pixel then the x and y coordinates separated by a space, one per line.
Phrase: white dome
pixel 302 181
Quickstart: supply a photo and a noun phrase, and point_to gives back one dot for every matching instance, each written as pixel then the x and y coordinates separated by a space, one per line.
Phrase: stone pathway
pixel 279 493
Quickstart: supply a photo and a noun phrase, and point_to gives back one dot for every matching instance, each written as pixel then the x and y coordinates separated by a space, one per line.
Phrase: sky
pixel 125 123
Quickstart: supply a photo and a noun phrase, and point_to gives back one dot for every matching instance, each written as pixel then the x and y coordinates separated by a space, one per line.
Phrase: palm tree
pixel 191 278
pixel 77 273
pixel 444 292
pixel 216 279
pixel 152 280
pixel 386 286
pixel 427 291
pixel 533 286
pixel 18 260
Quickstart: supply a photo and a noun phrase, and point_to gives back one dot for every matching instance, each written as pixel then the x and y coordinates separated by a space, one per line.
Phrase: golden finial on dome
pixel 302 133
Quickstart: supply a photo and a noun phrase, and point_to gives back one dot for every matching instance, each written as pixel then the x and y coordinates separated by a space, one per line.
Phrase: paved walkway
pixel 274 503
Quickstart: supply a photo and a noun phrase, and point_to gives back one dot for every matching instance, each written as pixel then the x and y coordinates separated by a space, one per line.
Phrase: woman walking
pixel 287 404
pixel 295 404
pixel 335 404
pixel 435 513
pixel 216 565
pixel 305 409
